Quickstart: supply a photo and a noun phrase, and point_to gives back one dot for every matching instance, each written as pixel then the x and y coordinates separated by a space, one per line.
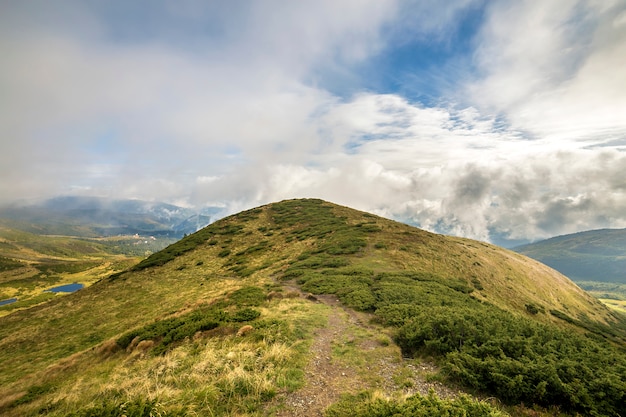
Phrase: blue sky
pixel 493 120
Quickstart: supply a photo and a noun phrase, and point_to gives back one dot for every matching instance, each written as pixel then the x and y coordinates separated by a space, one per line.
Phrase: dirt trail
pixel 325 379
pixel 328 376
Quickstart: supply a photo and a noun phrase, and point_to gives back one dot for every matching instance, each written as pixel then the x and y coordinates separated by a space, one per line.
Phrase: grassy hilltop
pixel 304 306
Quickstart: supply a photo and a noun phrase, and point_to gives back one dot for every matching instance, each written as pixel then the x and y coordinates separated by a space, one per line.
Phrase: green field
pixel 611 294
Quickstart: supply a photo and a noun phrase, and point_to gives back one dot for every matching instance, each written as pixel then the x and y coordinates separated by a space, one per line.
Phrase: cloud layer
pixel 207 103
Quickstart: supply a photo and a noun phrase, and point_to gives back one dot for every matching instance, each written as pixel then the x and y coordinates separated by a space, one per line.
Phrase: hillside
pixel 262 312
pixel 68 240
pixel 595 255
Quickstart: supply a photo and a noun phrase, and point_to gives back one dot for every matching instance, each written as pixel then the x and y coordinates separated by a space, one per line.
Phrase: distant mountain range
pixel 92 216
pixel 595 255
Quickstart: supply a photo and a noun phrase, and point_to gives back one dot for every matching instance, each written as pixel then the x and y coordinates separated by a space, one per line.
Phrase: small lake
pixel 66 288
pixel 7 301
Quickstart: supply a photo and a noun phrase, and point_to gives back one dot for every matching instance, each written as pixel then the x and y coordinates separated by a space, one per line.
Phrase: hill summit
pixel 304 307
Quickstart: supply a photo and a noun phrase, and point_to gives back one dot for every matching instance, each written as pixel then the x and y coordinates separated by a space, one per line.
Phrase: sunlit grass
pixel 209 375
pixel 618 305
pixel 64 356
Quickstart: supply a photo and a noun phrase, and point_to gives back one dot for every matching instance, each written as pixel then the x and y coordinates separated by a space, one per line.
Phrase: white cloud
pixel 555 68
pixel 209 104
pixel 207 179
pixel 448 179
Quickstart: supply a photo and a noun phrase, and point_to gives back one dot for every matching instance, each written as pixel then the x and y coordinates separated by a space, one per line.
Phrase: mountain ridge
pixel 593 255
pixel 425 294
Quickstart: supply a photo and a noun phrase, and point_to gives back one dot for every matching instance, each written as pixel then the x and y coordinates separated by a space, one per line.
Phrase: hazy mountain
pixel 91 216
pixel 308 308
pixel 595 255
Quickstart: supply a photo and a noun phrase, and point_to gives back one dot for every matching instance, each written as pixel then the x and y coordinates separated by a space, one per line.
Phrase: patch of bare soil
pixel 326 380
pixel 328 376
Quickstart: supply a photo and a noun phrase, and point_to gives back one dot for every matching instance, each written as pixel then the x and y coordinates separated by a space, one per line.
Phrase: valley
pixel 80 240
pixel 31 265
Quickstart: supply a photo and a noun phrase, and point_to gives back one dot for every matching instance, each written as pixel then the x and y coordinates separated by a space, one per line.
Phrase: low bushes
pixel 480 346
pixel 519 360
pixel 167 332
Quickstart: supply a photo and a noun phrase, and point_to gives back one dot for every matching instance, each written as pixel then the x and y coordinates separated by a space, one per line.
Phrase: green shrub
pixel 361 299
pixel 170 330
pixel 533 309
pixel 248 296
pixel 518 360
pixel 562 316
pixel 7 264
pixel 32 394
pixel 320 261
pixel 397 314
pixel 369 227
pixel 246 314
pixel 477 284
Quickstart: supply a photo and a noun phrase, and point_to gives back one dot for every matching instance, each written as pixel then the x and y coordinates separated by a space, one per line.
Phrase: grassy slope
pixel 57 332
pixel 62 352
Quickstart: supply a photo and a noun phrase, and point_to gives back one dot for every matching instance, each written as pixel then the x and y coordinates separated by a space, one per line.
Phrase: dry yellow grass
pixel 203 373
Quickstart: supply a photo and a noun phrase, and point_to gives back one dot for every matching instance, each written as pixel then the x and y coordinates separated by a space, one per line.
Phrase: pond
pixel 66 288
pixel 7 301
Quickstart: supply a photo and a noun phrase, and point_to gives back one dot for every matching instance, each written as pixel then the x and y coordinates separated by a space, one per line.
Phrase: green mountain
pixel 595 255
pixel 304 307
pixel 595 260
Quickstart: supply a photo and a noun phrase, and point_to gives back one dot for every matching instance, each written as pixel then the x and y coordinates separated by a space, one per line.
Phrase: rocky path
pixel 326 379
pixel 331 372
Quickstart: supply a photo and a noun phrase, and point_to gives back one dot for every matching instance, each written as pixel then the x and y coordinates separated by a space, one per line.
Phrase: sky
pixel 503 120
